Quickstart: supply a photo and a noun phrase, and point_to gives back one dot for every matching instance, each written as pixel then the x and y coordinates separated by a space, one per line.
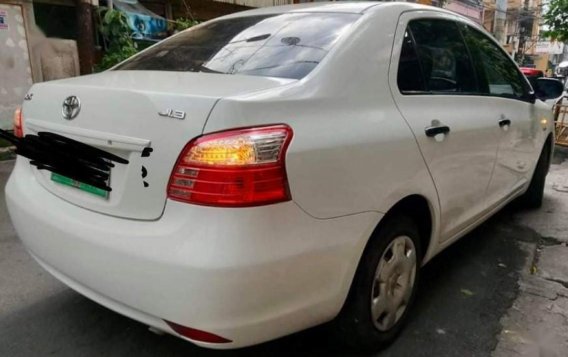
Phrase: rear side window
pixel 498 74
pixel 442 58
pixel 285 45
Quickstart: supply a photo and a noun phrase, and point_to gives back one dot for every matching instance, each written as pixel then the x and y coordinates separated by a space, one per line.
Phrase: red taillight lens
pixel 18 125
pixel 197 335
pixel 235 168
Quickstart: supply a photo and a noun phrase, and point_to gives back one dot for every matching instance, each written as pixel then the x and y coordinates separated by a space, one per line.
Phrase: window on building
pixel 57 21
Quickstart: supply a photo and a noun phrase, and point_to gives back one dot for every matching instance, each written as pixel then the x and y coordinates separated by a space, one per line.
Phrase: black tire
pixel 532 198
pixel 355 326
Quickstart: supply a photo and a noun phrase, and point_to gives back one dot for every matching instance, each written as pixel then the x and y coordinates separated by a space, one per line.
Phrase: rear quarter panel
pixel 352 152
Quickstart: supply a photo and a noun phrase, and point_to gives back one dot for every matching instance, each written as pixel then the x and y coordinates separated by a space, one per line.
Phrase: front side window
pixel 284 45
pixel 498 74
pixel 442 56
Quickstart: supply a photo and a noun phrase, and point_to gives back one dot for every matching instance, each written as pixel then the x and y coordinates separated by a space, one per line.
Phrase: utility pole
pixel 85 36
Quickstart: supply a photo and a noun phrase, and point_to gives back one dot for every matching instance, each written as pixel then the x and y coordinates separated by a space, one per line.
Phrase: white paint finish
pixel 461 162
pixel 126 104
pixel 520 143
pixel 286 266
pixel 192 268
pixel 334 175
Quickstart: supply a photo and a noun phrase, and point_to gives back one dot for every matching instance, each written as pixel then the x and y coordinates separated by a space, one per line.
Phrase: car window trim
pixel 527 95
pixel 427 91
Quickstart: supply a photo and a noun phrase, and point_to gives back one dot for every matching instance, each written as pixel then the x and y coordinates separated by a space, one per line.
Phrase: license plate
pixel 77 184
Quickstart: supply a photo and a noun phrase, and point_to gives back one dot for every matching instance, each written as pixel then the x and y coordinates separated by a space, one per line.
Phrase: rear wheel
pixel 535 193
pixel 384 287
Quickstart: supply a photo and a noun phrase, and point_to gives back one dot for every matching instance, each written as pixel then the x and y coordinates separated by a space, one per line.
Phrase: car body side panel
pixel 462 161
pixel 352 151
pixel 520 145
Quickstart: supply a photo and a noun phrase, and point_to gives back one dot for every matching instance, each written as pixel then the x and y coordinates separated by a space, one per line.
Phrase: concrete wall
pixel 27 57
pixel 15 67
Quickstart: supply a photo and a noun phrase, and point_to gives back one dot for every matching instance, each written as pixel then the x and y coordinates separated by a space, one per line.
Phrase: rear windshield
pixel 285 45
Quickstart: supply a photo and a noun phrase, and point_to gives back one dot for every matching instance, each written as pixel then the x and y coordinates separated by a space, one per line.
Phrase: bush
pixel 117 37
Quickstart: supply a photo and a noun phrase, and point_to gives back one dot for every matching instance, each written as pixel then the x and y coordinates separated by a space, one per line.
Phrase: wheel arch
pixel 420 210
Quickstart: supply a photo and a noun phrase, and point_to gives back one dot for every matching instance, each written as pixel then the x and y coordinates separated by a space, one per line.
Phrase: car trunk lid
pixel 119 113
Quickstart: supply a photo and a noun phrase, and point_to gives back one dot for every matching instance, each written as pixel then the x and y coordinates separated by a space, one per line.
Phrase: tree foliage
pixel 117 36
pixel 556 18
pixel 183 23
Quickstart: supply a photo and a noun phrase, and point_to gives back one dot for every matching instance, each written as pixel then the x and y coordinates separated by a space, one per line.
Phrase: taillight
pixel 18 125
pixel 234 168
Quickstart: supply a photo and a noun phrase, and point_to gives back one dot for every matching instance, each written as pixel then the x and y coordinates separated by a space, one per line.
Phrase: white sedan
pixel 276 169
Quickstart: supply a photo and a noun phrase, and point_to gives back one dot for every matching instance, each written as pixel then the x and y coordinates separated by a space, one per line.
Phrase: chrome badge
pixel 170 113
pixel 71 107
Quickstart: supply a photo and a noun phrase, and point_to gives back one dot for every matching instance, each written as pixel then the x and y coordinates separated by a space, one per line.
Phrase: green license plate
pixel 80 185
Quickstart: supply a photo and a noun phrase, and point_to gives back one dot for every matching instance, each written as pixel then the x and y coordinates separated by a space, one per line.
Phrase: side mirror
pixel 548 88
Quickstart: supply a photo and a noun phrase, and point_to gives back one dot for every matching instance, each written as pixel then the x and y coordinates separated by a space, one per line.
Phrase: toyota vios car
pixel 276 169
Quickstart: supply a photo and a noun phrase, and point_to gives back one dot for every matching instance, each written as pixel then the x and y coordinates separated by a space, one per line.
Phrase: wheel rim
pixel 393 283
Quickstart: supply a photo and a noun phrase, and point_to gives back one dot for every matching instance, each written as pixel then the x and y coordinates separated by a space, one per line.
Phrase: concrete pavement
pixel 537 322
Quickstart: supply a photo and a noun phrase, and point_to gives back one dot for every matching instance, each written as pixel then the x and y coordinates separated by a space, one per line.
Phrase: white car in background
pixel 276 169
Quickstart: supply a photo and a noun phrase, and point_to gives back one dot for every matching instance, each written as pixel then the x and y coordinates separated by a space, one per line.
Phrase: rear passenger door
pixel 434 84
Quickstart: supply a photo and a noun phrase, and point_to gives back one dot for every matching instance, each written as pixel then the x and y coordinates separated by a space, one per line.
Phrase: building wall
pixel 258 3
pixel 466 8
pixel 15 67
pixel 28 56
pixel 204 9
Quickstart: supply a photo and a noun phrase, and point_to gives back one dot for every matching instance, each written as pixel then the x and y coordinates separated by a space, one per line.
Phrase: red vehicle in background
pixel 532 72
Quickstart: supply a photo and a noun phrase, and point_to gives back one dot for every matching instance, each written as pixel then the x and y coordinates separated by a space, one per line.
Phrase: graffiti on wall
pixel 3 20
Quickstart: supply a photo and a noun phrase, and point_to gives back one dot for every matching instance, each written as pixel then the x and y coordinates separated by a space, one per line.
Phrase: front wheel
pixel 384 286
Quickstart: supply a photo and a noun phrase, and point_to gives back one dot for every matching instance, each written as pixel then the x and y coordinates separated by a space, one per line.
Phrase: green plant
pixel 183 23
pixel 117 37
pixel 556 18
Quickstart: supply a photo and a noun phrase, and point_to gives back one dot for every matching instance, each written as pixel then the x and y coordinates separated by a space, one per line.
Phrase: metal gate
pixel 561 121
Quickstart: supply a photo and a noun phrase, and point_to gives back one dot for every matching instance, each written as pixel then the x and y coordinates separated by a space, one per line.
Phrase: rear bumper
pixel 246 274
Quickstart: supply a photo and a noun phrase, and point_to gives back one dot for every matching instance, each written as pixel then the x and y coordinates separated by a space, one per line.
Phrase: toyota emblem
pixel 71 107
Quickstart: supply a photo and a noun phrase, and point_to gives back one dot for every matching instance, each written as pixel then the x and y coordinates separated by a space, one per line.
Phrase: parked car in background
pixel 532 72
pixel 278 168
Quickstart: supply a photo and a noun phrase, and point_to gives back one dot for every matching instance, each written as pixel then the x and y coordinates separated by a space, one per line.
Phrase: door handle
pixel 504 122
pixel 435 130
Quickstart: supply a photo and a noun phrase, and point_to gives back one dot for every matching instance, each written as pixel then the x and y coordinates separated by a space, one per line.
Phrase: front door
pixel 434 84
pixel 507 96
pixel 15 71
